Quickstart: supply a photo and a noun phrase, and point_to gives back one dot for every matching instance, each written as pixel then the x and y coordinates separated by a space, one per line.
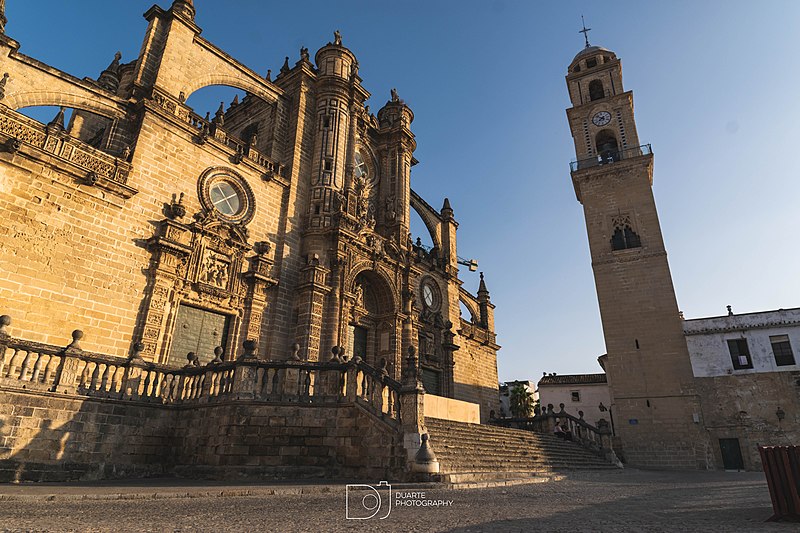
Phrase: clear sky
pixel 716 92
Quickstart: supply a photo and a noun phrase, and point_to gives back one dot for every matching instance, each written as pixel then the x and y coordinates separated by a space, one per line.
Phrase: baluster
pixel 25 364
pixel 158 379
pixel 50 369
pixel 11 367
pixel 105 378
pixel 379 397
pixel 147 383
pixel 307 384
pixel 95 377
pixel 198 386
pixel 116 382
pixel 276 383
pixel 37 368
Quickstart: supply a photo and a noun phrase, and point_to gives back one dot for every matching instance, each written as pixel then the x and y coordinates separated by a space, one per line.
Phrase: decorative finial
pixel 3 85
pixel 109 78
pixel 57 124
pixel 77 335
pixel 337 38
pixel 730 310
pixel 585 31
pixel 285 67
pixel 184 7
pixel 268 77
pixel 219 116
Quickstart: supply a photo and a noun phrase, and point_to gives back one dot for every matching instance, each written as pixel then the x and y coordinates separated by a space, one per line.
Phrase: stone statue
pixel 337 38
pixel 358 290
pixel 395 98
pixel 304 54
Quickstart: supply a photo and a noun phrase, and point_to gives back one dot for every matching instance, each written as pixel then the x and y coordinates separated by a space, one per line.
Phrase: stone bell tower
pixel 655 407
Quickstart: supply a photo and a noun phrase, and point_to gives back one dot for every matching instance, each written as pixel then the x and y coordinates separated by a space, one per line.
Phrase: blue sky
pixel 716 93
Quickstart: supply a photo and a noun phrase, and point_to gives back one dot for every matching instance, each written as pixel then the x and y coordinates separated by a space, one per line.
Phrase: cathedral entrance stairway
pixel 477 452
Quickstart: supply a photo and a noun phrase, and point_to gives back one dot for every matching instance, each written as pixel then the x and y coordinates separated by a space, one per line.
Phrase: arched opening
pixel 467 313
pixel 607 147
pixel 241 119
pixel 371 334
pixel 596 90
pixel 420 232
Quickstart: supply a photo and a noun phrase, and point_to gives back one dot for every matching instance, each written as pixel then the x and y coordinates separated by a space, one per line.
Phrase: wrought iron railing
pixel 607 157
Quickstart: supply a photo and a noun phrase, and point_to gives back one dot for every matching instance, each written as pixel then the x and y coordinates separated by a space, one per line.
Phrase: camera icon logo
pixel 368 501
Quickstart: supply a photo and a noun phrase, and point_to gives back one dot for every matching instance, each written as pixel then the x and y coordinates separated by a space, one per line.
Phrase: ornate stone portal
pixel 199 264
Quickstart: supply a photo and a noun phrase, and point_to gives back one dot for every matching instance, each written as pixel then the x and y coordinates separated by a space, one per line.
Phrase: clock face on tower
pixel 601 118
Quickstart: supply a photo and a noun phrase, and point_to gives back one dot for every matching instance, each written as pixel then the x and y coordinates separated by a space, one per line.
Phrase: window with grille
pixel 740 354
pixel 782 350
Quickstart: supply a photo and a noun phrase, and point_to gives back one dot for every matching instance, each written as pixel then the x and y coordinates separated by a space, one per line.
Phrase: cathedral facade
pixel 283 219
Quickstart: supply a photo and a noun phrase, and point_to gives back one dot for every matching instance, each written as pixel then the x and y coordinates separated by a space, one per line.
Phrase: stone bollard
pixel 425 460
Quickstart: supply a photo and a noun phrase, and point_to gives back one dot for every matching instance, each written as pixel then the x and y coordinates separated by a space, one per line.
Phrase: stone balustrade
pixel 208 129
pixel 105 169
pixel 71 370
pixel 595 439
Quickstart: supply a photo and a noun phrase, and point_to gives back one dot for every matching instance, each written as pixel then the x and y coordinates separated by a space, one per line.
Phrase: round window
pixel 225 198
pixel 427 295
pixel 361 167
pixel 430 295
pixel 227 195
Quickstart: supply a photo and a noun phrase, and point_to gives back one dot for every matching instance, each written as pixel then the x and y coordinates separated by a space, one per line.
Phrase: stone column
pixel 312 291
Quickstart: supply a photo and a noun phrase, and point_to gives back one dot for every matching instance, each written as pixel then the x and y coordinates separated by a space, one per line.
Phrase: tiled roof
pixel 573 379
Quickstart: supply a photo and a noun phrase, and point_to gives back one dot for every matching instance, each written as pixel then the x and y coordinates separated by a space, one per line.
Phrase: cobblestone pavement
pixel 630 500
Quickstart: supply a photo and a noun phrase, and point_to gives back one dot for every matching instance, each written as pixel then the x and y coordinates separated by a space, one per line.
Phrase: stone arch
pixel 61 99
pixel 380 283
pixel 430 217
pixel 261 90
pixel 470 305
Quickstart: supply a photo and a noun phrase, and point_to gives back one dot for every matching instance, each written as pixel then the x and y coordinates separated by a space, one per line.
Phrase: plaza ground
pixel 629 500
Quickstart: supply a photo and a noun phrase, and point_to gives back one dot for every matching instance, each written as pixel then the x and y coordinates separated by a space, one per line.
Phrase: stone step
pixel 475 453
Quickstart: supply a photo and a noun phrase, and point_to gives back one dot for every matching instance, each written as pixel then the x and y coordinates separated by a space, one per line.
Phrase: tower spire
pixel 585 31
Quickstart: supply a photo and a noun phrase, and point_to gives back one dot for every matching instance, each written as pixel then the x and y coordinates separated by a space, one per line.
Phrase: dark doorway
pixel 198 331
pixel 731 454
pixel 360 342
pixel 431 380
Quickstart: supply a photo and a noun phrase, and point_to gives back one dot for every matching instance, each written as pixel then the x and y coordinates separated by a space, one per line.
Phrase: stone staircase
pixel 476 452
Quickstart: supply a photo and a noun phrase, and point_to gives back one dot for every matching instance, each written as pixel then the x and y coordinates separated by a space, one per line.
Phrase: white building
pixel 578 392
pixel 748 343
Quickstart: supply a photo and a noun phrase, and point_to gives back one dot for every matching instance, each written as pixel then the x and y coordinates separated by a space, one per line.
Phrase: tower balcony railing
pixel 608 156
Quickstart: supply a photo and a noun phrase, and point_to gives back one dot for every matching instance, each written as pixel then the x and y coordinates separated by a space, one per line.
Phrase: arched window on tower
pixel 624 237
pixel 607 147
pixel 596 91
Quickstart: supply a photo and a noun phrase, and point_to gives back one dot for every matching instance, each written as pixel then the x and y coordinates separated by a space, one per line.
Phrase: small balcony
pixel 607 157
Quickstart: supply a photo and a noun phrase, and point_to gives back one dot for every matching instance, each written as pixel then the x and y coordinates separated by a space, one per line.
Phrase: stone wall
pixel 745 407
pixel 56 437
pixel 287 441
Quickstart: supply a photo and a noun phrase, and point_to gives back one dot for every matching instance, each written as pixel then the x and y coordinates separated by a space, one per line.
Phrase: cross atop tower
pixel 585 31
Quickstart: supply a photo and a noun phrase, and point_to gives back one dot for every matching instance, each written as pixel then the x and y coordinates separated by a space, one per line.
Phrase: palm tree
pixel 521 401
